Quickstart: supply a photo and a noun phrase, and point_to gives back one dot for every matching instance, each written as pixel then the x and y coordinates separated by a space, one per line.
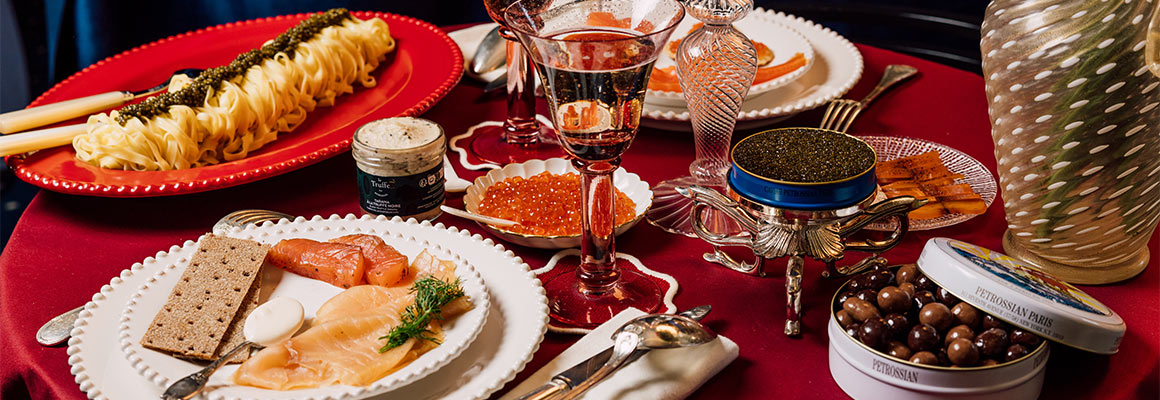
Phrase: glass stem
pixel 598 271
pixel 521 126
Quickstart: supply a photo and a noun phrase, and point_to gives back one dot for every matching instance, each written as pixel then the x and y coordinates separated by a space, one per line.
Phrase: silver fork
pixel 59 328
pixel 841 112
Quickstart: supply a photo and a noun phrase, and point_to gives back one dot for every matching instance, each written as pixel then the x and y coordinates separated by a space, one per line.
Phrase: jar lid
pixel 1022 295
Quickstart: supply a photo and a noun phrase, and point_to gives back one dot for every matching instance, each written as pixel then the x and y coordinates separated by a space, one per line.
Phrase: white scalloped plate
pixel 514 325
pixel 837 66
pixel 631 184
pixel 163 369
pixel 781 39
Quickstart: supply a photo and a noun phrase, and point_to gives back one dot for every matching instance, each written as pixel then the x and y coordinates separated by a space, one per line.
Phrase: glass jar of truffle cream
pixel 400 167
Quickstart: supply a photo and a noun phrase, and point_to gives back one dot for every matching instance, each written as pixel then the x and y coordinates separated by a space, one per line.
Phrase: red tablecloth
pixel 66 247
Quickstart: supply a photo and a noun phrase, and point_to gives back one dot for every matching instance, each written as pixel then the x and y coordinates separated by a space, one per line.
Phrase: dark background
pixel 44 41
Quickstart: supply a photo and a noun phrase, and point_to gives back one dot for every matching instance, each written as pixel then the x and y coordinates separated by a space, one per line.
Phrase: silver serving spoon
pixel 653 331
pixel 272 322
pixel 491 53
pixel 28 118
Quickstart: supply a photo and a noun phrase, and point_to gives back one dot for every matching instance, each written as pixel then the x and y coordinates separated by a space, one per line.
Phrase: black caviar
pixel 195 92
pixel 803 155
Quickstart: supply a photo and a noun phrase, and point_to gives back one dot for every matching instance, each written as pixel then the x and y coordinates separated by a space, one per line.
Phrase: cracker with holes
pixel 205 311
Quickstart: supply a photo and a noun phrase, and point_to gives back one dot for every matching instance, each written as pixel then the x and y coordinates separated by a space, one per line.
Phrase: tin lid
pixel 1022 295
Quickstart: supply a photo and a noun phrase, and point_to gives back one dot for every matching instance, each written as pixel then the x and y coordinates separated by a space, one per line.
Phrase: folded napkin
pixel 659 374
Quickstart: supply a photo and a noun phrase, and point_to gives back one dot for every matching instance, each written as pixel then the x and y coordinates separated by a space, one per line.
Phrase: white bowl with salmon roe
pixel 628 183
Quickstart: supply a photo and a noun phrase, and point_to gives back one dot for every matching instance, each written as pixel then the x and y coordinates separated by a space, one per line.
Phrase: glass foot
pixel 486 143
pixel 569 305
pixel 673 212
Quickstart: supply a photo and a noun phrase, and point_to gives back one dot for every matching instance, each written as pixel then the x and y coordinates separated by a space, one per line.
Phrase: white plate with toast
pixel 512 325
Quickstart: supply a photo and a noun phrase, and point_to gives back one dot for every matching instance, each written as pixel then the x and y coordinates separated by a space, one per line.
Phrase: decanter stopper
pixel 716 65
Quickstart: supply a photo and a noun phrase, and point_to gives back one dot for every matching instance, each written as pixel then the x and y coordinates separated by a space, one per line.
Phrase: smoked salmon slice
pixel 385 266
pixel 342 344
pixel 335 263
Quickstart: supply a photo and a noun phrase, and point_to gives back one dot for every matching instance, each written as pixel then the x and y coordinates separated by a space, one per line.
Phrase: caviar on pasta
pixel 228 112
pixel 545 204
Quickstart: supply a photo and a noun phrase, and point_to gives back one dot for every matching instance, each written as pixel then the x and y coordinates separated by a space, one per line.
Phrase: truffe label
pixel 401 195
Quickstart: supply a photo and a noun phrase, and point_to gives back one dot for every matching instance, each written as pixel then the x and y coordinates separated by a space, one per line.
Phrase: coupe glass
pixel 521 137
pixel 594 58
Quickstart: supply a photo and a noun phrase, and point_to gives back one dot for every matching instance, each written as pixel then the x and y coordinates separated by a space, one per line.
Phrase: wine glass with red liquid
pixel 521 137
pixel 594 58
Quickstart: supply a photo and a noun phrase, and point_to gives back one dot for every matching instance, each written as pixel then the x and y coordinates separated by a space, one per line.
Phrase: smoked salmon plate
pixel 379 311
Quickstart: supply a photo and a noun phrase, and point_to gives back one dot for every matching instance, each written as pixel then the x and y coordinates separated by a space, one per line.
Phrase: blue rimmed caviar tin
pixel 844 163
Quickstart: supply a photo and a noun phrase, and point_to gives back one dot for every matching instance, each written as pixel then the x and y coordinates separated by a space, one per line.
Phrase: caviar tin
pixel 829 195
pixel 1022 295
pixel 997 285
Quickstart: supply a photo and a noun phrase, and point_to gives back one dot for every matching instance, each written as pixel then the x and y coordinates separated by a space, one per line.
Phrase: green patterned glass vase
pixel 1075 116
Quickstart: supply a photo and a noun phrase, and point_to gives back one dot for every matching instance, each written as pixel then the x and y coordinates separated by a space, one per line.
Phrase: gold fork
pixel 841 112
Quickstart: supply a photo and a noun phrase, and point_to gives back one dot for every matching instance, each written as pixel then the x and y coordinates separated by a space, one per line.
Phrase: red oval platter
pixel 425 65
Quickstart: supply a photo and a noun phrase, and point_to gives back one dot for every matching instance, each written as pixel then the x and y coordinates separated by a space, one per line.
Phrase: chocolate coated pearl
pixel 1015 352
pixel 906 274
pixel 873 333
pixel 922 337
pixel 989 362
pixel 908 288
pixel 858 282
pixel 869 295
pixel 959 332
pixel 924 358
pixel 921 282
pixel 922 298
pixel 845 295
pixel 891 299
pixel 1025 338
pixel 844 319
pixel 879 279
pixel 898 350
pixel 966 314
pixel 897 325
pixel 992 322
pixel 852 330
pixel 860 309
pixel 992 342
pixel 963 353
pixel 946 297
pixel 936 315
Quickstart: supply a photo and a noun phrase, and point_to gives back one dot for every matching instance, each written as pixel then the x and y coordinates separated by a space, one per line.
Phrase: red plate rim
pixel 16 162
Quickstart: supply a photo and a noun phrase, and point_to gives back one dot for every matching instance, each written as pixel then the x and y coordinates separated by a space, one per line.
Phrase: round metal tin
pixel 799 195
pixel 1022 295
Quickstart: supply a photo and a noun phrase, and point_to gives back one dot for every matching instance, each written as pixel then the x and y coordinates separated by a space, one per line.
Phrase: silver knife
pixel 578 373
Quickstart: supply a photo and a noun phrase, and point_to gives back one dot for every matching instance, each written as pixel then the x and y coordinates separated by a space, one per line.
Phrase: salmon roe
pixel 545 204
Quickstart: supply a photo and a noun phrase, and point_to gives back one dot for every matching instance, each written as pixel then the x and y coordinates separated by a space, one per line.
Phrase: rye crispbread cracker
pixel 207 299
pixel 234 335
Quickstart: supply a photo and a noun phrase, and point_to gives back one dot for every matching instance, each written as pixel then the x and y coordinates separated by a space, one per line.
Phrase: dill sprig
pixel 431 294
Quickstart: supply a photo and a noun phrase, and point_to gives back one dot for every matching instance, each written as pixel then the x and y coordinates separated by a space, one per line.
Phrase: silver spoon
pixel 654 331
pixel 272 322
pixel 491 53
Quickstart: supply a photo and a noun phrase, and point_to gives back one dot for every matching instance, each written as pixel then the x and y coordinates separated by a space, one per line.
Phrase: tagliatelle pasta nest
pixel 242 112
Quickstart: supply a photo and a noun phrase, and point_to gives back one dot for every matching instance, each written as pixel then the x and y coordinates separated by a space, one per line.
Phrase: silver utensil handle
pixel 622 349
pixel 547 391
pixel 192 384
pixel 28 118
pixel 58 329
pixel 894 74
